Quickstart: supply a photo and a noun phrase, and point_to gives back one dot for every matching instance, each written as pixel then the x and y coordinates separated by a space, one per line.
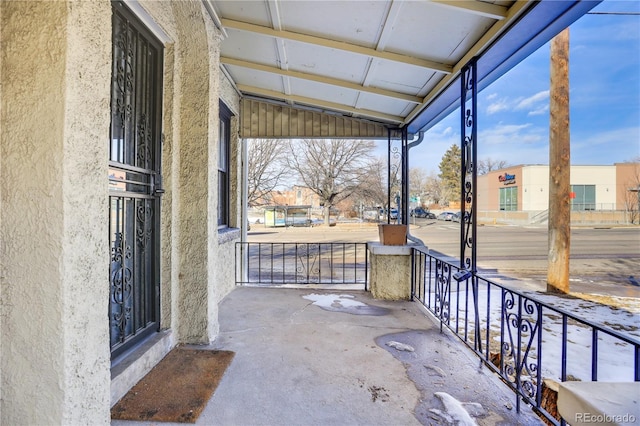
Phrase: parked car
pixel 448 216
pixel 420 212
pixel 456 217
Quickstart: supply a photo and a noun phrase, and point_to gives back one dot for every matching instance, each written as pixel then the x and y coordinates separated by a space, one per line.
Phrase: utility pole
pixel 559 167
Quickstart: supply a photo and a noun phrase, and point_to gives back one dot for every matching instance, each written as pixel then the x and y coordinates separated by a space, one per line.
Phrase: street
pixel 604 260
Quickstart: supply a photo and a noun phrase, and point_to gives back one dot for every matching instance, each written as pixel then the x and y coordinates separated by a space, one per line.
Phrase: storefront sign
pixel 507 179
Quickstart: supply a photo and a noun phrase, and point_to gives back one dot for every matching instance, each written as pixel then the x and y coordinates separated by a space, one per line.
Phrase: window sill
pixel 226 235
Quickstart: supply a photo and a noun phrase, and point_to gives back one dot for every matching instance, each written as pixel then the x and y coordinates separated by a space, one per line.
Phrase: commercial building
pixel 525 188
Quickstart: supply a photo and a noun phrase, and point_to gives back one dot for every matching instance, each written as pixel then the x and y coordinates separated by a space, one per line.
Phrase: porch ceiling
pixel 386 61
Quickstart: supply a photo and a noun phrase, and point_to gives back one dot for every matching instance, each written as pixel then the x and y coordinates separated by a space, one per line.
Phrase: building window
pixel 224 187
pixel 583 197
pixel 509 198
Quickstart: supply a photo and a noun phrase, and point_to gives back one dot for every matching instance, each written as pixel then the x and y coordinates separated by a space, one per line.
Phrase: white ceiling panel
pixel 385 75
pixel 243 45
pixel 357 22
pixel 382 104
pixel 324 61
pixel 323 92
pixel 428 30
pixel 246 11
pixel 257 79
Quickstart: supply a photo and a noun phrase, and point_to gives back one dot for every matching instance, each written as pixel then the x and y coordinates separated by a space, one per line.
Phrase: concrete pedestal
pixel 599 403
pixel 390 271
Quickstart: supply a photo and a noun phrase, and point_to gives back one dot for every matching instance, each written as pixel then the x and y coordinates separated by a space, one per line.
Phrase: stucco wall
pixel 390 271
pixel 628 177
pixel 201 258
pixel 535 182
pixel 56 72
pixel 192 271
pixel 55 115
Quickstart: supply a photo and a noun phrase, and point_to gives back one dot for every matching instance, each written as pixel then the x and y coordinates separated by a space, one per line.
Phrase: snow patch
pixel 400 346
pixel 454 410
pixel 334 300
pixel 346 304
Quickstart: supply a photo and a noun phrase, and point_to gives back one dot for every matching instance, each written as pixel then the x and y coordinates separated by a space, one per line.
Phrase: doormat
pixel 176 389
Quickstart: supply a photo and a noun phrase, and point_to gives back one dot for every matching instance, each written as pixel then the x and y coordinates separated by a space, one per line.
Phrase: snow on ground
pixel 400 346
pixel 333 300
pixel 615 357
pixel 344 303
pixel 454 411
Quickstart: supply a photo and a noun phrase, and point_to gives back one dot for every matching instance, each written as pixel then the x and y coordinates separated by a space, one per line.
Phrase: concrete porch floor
pixel 332 357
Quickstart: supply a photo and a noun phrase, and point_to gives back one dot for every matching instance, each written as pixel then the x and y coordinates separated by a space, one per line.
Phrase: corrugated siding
pixel 265 120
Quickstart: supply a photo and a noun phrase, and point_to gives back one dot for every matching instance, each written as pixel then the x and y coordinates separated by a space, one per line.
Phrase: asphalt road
pixel 604 260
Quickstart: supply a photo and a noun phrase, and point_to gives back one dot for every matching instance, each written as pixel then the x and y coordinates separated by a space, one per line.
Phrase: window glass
pixel 584 197
pixel 509 198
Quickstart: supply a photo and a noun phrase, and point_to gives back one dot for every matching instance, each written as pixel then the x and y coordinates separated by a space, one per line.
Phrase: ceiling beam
pixel 332 106
pixel 488 10
pixel 338 45
pixel 320 79
pixel 281 51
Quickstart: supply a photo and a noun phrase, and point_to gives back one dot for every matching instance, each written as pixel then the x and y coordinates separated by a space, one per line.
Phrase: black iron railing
pixel 521 338
pixel 301 263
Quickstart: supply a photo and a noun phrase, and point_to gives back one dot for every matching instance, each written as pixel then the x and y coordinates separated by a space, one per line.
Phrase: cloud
pixel 532 101
pixel 606 147
pixel 498 106
pixel 542 109
pixel 536 104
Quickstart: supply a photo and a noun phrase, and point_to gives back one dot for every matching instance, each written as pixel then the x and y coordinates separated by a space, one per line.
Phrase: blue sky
pixel 604 77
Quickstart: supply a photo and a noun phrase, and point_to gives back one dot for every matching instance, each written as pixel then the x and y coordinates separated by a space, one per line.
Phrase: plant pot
pixel 392 234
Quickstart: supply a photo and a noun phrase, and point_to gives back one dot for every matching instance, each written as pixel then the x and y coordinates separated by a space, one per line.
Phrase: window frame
pixel 584 197
pixel 224 166
pixel 512 193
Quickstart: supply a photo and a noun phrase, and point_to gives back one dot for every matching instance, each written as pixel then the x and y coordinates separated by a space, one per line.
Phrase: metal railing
pixel 523 340
pixel 301 263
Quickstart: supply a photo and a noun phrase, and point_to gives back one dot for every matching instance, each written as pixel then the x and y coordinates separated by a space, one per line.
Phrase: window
pixel 224 187
pixel 509 198
pixel 585 197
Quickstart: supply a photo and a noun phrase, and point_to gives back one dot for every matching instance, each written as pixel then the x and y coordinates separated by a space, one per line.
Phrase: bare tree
pixel 632 193
pixel 373 187
pixel 434 188
pixel 489 164
pixel 417 182
pixel 265 169
pixel 332 168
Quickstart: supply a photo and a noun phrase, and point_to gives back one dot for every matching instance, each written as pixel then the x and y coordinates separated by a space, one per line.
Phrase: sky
pixel 604 98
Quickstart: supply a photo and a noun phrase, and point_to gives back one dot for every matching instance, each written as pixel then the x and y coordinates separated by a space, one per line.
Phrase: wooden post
pixel 559 167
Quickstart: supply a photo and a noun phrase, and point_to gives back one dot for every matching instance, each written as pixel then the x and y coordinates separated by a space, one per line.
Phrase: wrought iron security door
pixel 134 181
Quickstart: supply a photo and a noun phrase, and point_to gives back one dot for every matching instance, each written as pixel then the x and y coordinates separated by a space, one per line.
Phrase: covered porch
pixel 226 71
pixel 310 356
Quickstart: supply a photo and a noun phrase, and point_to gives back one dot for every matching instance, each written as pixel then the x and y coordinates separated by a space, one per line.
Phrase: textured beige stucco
pixel 55 115
pixel 192 176
pixel 390 272
pixel 56 71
